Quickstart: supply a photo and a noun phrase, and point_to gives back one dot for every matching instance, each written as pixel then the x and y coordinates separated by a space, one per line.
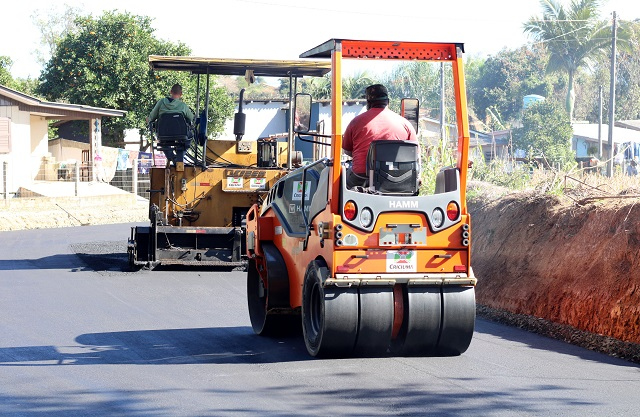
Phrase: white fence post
pixel 77 177
pixel 134 176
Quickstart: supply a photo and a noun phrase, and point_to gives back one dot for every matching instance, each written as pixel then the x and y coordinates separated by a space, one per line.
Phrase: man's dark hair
pixel 377 95
pixel 176 89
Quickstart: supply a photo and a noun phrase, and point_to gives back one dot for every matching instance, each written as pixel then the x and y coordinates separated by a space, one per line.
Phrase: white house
pixel 24 134
pixel 586 143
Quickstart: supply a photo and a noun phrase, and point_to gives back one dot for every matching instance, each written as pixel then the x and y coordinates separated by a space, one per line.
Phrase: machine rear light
pixel 438 217
pixel 350 210
pixel 366 217
pixel 459 268
pixel 453 211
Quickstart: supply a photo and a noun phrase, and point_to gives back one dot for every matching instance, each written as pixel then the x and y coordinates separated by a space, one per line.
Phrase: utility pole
pixel 612 95
pixel 600 123
pixel 442 127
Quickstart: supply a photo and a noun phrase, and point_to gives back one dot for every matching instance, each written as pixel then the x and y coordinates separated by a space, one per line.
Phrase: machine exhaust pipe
pixel 239 120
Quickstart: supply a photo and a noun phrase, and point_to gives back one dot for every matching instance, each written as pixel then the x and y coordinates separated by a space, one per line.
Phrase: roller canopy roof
pixel 419 51
pixel 230 66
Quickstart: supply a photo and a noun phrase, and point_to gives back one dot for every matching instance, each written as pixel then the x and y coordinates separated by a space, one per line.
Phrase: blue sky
pixel 282 29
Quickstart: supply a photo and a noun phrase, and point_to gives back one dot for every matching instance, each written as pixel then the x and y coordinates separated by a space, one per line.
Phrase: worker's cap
pixel 376 92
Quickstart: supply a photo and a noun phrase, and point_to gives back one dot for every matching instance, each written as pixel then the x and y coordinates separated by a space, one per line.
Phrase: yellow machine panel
pixel 219 195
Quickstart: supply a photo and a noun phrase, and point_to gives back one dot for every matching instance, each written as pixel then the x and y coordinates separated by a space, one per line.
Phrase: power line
pixel 368 13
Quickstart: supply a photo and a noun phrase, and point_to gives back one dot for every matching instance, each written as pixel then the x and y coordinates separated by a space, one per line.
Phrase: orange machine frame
pixel 295 256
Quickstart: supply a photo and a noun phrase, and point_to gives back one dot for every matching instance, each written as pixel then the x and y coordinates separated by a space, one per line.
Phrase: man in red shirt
pixel 377 123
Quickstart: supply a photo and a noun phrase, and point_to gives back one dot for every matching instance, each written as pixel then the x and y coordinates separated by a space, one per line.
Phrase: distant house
pixel 24 144
pixel 268 118
pixel 586 143
pixel 489 145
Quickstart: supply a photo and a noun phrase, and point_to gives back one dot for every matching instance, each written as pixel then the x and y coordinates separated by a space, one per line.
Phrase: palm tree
pixel 353 87
pixel 320 87
pixel 574 37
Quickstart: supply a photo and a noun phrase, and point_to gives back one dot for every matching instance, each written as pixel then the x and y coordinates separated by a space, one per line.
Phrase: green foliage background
pixel 546 133
pixel 103 62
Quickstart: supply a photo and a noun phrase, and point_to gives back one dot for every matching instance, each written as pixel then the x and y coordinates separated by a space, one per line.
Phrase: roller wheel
pixel 264 322
pixel 458 320
pixel 329 315
pixel 376 321
pixel 422 321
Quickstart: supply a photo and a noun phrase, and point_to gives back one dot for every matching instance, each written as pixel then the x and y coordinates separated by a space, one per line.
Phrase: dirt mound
pixel 543 256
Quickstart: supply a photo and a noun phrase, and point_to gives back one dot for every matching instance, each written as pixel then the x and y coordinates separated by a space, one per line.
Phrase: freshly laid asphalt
pixel 81 336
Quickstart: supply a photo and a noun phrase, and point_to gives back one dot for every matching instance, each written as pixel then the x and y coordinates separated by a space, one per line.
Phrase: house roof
pixel 628 124
pixel 51 110
pixel 589 132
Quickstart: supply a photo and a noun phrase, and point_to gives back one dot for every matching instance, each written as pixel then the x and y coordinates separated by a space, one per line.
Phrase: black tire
pixel 375 325
pixel 264 322
pixel 458 320
pixel 329 314
pixel 423 318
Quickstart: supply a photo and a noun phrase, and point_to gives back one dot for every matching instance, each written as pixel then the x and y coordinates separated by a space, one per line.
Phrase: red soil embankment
pixel 574 265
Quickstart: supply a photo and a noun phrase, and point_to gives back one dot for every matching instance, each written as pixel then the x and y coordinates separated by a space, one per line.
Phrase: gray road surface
pixel 80 337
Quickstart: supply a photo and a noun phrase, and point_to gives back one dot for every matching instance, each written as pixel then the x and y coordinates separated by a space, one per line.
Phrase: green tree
pixel 24 85
pixel 497 86
pixel 628 74
pixel 574 37
pixel 104 63
pixel 5 75
pixel 318 87
pixel 419 80
pixel 353 86
pixel 546 132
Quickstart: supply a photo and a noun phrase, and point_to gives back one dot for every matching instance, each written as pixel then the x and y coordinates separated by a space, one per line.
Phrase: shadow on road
pixel 94 256
pixel 98 257
pixel 223 345
pixel 62 261
pixel 541 342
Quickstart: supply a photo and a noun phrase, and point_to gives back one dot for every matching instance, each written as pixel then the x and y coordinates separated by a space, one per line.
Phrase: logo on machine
pixel 403 204
pixel 258 183
pixel 248 173
pixel 297 191
pixel 235 182
pixel 401 261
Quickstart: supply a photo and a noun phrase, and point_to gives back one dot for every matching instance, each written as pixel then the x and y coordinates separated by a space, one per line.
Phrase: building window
pixel 5 135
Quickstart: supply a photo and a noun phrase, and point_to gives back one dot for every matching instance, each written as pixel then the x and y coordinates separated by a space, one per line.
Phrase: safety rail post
pixel 76 179
pixel 134 175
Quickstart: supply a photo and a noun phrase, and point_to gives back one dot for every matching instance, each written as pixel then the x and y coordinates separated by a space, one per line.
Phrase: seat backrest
pixel 392 167
pixel 172 126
